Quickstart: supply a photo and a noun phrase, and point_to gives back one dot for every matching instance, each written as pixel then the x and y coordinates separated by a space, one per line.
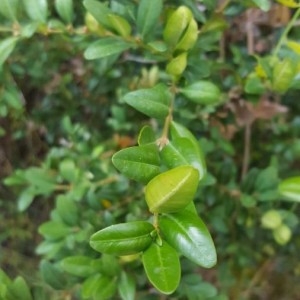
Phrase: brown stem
pixel 249 31
pixel 247 146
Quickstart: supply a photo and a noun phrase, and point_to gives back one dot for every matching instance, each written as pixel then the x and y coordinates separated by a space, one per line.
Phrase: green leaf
pixel 90 286
pixel 106 288
pixel 146 136
pixel 152 102
pixel 202 92
pixel 254 85
pixel 52 275
pixel 19 289
pixel 148 16
pixel 54 230
pixel 177 65
pixel 120 25
pixel 182 151
pixel 6 48
pixel 81 266
pixel 25 199
pixel 194 155
pixel 173 190
pixel 67 209
pixel 123 239
pixel 126 287
pixel 289 3
pixel 290 188
pixel 264 5
pixel 99 11
pixel 162 266
pixel 187 233
pixel 105 47
pixel 8 9
pixel 283 73
pixel 65 10
pixel 68 170
pixel 189 38
pixel 36 10
pixel 140 163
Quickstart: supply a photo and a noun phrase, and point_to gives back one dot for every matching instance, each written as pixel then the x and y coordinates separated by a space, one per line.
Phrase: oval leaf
pixel 162 266
pixel 146 135
pixel 105 47
pixel 202 92
pixel 36 10
pixel 81 266
pixel 65 10
pixel 172 190
pixel 8 9
pixel 123 239
pixel 186 233
pixel 290 188
pixel 140 163
pixel 6 47
pixel 148 15
pixel 120 25
pixel 152 102
pixel 126 287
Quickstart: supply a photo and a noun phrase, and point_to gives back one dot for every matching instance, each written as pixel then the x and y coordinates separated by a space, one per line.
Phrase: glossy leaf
pixel 81 266
pixel 37 10
pixel 264 5
pixel 202 92
pixel 8 9
pixel 65 10
pixel 6 48
pixel 283 74
pixel 105 47
pixel 177 65
pixel 120 25
pixel 173 190
pixel 189 38
pixel 126 287
pixel 179 131
pixel 182 151
pixel 290 188
pixel 176 25
pixel 162 266
pixel 148 15
pixel 140 163
pixel 146 136
pixel 152 102
pixel 99 11
pixel 187 233
pixel 123 239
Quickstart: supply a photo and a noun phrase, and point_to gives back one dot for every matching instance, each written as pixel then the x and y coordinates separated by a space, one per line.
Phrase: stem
pixel 286 31
pixel 247 145
pixel 250 36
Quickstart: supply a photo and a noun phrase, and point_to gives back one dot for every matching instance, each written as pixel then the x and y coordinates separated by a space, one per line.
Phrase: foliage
pixel 125 125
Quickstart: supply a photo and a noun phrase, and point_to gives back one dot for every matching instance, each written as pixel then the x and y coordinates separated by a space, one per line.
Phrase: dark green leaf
pixel 81 266
pixel 152 102
pixel 65 10
pixel 67 209
pixel 187 233
pixel 126 287
pixel 123 239
pixel 6 48
pixel 37 10
pixel 105 47
pixel 148 15
pixel 290 188
pixel 162 267
pixel 173 190
pixel 140 163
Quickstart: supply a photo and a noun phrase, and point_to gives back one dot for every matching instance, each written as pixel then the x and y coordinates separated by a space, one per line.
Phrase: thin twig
pixel 247 146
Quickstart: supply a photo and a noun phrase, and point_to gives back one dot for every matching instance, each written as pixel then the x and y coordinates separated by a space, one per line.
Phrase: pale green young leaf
pixel 289 3
pixel 105 47
pixel 290 188
pixel 120 25
pixel 264 5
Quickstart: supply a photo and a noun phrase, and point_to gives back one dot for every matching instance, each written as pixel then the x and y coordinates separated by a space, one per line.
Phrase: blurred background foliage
pixel 62 118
